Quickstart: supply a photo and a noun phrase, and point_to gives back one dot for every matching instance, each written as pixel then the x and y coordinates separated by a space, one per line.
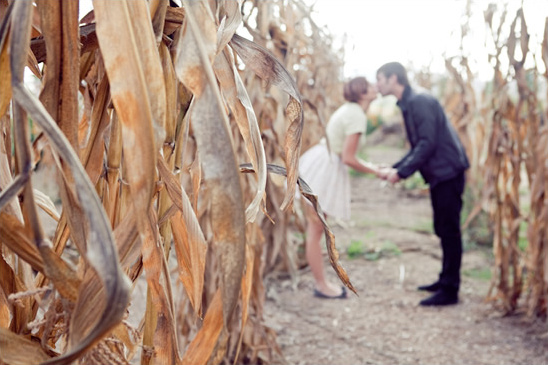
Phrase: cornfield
pixel 159 120
pixel 175 145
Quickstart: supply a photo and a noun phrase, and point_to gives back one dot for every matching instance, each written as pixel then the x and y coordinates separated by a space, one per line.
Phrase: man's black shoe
pixel 432 287
pixel 441 297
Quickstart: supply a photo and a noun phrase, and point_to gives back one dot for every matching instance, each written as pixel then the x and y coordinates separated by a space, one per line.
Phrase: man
pixel 438 154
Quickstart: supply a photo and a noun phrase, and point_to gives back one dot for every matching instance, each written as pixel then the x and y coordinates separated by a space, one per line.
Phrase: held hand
pixel 393 176
pixel 383 172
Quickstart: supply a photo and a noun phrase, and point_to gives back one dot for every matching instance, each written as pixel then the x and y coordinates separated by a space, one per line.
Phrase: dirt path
pixel 385 324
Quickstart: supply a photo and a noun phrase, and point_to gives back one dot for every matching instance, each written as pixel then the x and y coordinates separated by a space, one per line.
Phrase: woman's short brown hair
pixel 354 89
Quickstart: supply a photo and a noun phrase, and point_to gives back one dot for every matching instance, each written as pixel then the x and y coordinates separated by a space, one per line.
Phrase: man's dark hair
pixel 394 68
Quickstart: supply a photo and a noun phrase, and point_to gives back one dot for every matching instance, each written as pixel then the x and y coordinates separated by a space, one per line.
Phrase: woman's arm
pixel 349 156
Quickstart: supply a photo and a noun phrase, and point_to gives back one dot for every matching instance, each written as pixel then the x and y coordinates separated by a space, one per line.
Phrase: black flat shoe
pixel 319 294
pixel 441 297
pixel 432 287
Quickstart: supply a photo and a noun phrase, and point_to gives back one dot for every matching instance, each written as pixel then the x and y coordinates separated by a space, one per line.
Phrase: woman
pixel 326 171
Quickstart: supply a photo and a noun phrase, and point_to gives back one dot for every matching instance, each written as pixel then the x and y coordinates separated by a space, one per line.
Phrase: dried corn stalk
pixel 513 153
pixel 514 149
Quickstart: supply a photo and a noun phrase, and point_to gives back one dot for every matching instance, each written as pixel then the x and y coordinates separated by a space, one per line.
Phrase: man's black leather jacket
pixel 436 150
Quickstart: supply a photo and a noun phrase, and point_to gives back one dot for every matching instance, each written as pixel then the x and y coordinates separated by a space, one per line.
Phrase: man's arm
pixel 402 160
pixel 423 116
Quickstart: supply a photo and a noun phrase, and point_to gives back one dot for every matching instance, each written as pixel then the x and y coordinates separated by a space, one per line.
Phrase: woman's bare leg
pixel 314 233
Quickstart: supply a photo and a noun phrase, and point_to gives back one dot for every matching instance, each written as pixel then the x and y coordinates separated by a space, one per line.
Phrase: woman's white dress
pixel 323 169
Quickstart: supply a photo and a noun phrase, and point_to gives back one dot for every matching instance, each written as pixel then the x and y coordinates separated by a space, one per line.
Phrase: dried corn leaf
pixel 14 235
pixel 170 79
pixel 166 348
pixel 111 199
pixel 129 336
pixel 5 74
pixel 14 287
pixel 193 66
pixel 247 284
pixel 267 67
pixel 9 187
pixel 138 99
pixel 126 236
pixel 174 19
pixel 158 9
pixel 62 275
pixel 92 154
pixel 127 43
pixel 190 244
pixel 19 350
pixel 44 202
pixel 238 100
pixel 5 11
pixel 201 348
pixel 195 171
pixel 231 20
pixel 5 309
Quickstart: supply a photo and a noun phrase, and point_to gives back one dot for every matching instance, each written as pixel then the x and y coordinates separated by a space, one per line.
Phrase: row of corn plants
pixel 505 132
pixel 167 131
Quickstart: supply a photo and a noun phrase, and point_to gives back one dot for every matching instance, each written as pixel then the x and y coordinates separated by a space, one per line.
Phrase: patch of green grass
pixel 480 274
pixel 355 249
pixel 388 248
pixel 358 247
pixel 372 255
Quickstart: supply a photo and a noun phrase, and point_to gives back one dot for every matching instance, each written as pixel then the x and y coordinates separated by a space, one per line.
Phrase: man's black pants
pixel 446 200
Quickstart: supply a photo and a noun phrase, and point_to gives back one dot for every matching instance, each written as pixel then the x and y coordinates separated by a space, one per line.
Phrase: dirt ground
pixel 385 324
